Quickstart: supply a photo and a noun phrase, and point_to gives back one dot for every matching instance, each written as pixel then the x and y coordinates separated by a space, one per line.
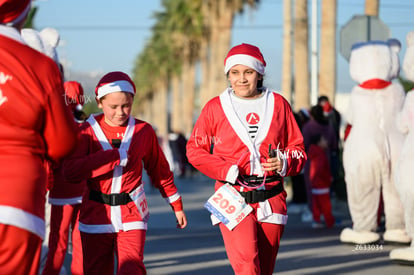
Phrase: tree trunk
pixel 327 66
pixel 154 120
pixel 287 50
pixel 177 104
pixel 372 7
pixel 221 36
pixel 205 73
pixel 188 82
pixel 301 52
pixel 205 54
pixel 162 107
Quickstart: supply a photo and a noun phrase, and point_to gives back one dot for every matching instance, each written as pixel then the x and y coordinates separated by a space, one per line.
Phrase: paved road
pixel 199 249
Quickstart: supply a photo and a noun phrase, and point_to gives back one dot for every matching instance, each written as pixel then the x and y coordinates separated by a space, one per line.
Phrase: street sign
pixel 361 28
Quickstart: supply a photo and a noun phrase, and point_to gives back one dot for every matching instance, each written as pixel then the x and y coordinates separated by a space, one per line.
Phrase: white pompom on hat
pixel 114 82
pixel 74 94
pixel 44 41
pixel 245 54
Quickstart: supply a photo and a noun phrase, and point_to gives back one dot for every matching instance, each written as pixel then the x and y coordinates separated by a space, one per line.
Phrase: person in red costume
pixel 65 199
pixel 75 98
pixel 36 127
pixel 114 149
pixel 320 179
pixel 247 139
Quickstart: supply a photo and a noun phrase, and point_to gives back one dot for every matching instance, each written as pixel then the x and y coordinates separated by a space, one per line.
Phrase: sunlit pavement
pixel 198 249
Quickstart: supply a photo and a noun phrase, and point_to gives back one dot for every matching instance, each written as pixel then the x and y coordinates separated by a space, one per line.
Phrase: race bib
pixel 140 200
pixel 227 205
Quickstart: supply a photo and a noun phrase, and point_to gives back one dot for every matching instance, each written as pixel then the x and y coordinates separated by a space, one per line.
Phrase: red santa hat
pixel 13 11
pixel 245 54
pixel 74 93
pixel 114 82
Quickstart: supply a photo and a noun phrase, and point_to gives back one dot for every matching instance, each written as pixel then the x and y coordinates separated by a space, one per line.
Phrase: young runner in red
pixel 114 149
pixel 248 140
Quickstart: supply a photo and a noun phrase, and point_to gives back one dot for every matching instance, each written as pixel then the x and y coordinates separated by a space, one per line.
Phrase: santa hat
pixel 114 82
pixel 13 11
pixel 74 94
pixel 245 54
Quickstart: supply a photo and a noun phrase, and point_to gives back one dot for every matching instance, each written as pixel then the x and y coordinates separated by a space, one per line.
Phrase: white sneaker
pixel 349 235
pixel 295 208
pixel 397 236
pixel 307 215
pixel 403 256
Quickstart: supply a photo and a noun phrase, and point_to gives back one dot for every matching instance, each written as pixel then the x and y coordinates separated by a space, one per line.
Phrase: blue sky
pixel 103 35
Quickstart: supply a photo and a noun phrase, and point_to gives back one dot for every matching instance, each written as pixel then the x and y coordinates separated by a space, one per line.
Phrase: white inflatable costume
pixel 373 144
pixel 404 177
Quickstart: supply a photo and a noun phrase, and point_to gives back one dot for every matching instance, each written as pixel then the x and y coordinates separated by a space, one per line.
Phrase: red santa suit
pixel 35 125
pixel 222 148
pixel 110 172
pixel 320 178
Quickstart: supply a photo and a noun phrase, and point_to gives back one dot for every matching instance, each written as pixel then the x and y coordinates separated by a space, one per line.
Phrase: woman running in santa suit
pixel 113 150
pixel 234 141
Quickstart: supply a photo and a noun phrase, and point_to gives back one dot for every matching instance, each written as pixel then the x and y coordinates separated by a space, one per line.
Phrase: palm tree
pixel 287 50
pixel 183 29
pixel 327 67
pixel 30 18
pixel 221 17
pixel 301 55
pixel 151 74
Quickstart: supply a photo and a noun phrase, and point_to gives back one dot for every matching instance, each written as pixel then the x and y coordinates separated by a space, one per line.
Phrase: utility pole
pixel 314 56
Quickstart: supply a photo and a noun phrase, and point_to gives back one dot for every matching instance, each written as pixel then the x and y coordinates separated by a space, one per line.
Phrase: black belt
pixel 259 180
pixel 262 195
pixel 110 199
pixel 255 180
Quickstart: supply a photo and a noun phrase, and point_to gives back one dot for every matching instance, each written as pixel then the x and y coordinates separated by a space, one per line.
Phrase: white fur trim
pixel 22 219
pixel 244 59
pixel 283 172
pixel 238 127
pixel 173 198
pixel 116 86
pixel 320 191
pixel 116 215
pixel 123 155
pixel 65 201
pixel 275 218
pixel 109 228
pixel 232 174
